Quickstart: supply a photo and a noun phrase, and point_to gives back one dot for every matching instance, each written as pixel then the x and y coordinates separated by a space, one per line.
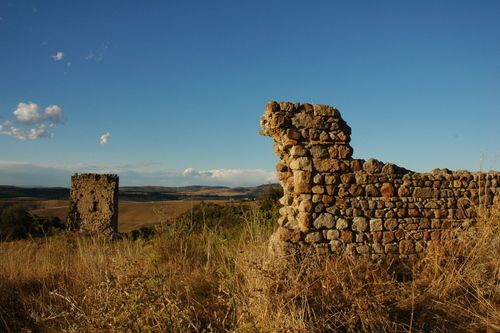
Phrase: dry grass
pixel 136 214
pixel 454 288
pixel 212 280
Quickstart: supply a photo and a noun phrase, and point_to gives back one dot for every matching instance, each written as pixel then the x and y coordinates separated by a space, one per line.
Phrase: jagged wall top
pixel 291 123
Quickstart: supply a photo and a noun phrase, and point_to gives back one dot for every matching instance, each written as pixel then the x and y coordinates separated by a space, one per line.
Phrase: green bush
pixel 15 223
pixel 145 233
pixel 71 217
pixel 220 218
pixel 269 200
pixel 46 226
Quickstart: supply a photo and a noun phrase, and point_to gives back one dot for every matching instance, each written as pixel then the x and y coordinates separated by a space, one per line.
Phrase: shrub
pixel 221 218
pixel 46 226
pixel 15 223
pixel 71 216
pixel 146 232
pixel 269 198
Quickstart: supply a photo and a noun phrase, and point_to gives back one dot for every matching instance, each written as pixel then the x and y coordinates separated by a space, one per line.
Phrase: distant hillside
pixel 151 193
pixel 144 193
pixel 33 192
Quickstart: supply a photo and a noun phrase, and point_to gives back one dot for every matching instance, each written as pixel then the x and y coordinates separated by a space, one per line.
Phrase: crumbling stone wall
pixel 337 204
pixel 94 201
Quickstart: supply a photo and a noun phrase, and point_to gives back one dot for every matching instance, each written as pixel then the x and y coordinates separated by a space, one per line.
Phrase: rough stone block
pixel 313 237
pixel 332 234
pixel 325 220
pixel 302 181
pixel 423 192
pixel 359 224
pixel 406 247
pixel 342 224
pixel 298 151
pixel 387 190
pixel 371 191
pixel 346 236
pixel 376 225
pixel 388 237
pixel 372 166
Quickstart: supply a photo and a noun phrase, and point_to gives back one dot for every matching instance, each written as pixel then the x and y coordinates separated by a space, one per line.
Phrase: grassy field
pixel 131 214
pixel 213 274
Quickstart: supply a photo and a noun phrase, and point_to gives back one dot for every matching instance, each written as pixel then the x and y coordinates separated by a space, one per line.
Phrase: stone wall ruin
pixel 94 203
pixel 337 204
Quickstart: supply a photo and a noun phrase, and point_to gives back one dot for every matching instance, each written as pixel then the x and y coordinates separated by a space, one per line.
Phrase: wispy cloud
pixel 58 56
pixel 97 55
pixel 104 139
pixel 37 132
pixel 30 124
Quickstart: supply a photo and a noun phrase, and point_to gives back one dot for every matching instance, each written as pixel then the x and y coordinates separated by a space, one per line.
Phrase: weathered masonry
pixel 94 200
pixel 339 204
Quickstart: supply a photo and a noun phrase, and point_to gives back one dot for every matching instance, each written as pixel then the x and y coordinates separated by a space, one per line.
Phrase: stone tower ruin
pixel 338 204
pixel 94 203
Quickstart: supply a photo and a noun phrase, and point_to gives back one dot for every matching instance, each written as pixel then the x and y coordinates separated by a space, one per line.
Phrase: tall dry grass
pixel 455 287
pixel 217 278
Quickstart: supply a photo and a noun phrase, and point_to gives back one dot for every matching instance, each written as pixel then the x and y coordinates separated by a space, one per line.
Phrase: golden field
pixel 212 273
pixel 131 214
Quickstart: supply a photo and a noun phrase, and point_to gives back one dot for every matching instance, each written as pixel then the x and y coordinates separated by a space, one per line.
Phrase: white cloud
pixel 54 114
pixel 58 56
pixel 29 124
pixel 189 172
pixel 230 176
pixel 27 113
pixel 104 138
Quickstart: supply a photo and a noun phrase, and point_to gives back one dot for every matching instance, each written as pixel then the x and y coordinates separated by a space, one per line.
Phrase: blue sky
pixel 174 89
